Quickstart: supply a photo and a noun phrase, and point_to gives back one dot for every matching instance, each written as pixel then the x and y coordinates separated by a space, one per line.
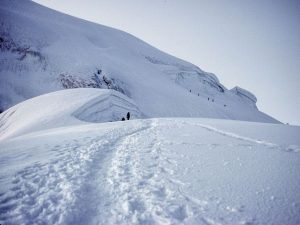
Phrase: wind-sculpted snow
pixel 44 51
pixel 111 107
pixel 244 94
pixel 157 171
pixel 65 108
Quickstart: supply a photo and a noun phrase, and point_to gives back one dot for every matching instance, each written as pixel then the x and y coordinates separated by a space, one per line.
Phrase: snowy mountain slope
pixel 66 108
pixel 63 162
pixel 43 51
pixel 57 166
pixel 156 171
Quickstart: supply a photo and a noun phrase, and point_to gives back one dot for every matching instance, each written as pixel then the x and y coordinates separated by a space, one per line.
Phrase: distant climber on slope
pixel 128 115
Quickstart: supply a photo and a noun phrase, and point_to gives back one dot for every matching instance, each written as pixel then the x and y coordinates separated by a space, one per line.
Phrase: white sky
pixel 254 44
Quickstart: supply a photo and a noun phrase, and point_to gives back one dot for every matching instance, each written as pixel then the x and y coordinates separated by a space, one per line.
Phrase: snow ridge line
pixel 290 148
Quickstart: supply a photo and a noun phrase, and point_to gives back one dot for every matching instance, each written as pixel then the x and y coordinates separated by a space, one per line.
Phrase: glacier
pixel 44 51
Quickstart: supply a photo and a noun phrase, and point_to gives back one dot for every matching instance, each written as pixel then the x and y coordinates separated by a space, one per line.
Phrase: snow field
pixel 232 186
pixel 157 171
pixel 59 168
pixel 47 190
pixel 141 184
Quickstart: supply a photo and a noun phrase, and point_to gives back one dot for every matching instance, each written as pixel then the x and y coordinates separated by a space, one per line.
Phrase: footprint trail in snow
pixel 158 171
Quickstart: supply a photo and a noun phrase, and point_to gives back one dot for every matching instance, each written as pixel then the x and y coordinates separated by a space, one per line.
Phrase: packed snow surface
pixel 65 170
pixel 44 51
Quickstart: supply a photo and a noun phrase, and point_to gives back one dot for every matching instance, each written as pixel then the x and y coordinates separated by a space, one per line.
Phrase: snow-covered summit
pixel 43 51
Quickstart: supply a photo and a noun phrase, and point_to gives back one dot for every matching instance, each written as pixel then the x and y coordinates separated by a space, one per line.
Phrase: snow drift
pixel 66 108
pixel 43 51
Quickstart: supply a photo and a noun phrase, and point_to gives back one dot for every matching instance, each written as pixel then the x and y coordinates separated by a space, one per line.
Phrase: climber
pixel 128 115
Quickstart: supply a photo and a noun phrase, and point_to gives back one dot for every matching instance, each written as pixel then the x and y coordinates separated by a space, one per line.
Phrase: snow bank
pixel 65 108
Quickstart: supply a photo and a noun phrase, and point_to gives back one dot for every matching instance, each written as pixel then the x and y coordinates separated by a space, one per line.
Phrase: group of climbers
pixel 127 116
pixel 208 99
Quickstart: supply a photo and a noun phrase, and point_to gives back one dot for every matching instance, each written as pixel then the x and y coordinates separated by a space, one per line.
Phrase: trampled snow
pixel 64 170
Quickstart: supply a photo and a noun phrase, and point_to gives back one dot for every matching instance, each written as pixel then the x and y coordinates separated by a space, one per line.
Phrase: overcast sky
pixel 254 44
